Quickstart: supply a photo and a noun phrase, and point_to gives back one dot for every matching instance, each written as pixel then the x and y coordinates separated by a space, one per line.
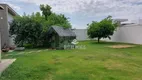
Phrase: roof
pixel 10 10
pixel 1 7
pixel 130 25
pixel 127 24
pixel 63 31
pixel 121 20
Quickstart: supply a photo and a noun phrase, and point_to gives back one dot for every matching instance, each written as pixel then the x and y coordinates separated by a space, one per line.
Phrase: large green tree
pixel 103 29
pixel 26 30
pixel 46 10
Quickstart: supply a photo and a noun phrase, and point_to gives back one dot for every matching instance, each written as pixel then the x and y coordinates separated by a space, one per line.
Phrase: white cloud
pixel 12 5
pixel 118 8
pixel 69 6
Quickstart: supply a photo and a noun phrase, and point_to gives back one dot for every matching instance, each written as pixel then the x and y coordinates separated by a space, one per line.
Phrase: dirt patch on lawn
pixel 121 46
pixel 111 64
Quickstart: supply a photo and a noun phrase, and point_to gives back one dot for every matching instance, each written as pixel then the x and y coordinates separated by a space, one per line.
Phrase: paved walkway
pixel 5 63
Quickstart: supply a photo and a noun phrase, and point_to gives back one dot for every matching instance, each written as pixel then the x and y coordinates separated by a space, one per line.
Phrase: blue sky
pixel 82 12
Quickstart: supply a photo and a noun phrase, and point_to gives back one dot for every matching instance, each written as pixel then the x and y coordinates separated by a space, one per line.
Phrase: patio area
pixel 5 63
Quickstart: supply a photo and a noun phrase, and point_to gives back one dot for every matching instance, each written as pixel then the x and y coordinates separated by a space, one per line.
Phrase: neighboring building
pixel 59 37
pixel 6 16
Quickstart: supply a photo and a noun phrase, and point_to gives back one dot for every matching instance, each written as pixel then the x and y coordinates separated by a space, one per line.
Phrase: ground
pixel 96 62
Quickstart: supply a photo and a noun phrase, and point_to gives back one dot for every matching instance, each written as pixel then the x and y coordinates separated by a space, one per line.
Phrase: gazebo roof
pixel 63 32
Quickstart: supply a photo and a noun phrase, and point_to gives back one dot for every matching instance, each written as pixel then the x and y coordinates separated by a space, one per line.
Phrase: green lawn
pixel 96 62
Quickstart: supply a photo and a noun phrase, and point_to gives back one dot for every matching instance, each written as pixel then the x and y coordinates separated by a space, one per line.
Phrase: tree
pixel 26 30
pixel 46 10
pixel 102 29
pixel 59 20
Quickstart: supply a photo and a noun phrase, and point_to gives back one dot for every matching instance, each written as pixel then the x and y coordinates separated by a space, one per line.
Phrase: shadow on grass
pixel 103 42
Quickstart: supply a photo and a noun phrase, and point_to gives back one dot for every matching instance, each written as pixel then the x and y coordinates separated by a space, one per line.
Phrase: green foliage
pixel 46 10
pixel 102 29
pixel 28 45
pixel 53 19
pixel 32 29
pixel 59 20
pixel 26 29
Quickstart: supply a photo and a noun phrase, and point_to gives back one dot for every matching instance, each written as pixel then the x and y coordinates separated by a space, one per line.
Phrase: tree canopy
pixel 46 10
pixel 103 29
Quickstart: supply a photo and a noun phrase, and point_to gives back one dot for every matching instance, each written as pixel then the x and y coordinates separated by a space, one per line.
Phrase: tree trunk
pixel 98 40
pixel 45 17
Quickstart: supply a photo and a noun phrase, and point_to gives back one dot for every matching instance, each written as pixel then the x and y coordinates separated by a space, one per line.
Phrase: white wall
pixel 127 34
pixel 10 18
pixel 81 34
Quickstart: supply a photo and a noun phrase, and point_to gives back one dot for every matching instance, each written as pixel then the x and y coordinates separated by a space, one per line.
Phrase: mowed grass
pixel 96 62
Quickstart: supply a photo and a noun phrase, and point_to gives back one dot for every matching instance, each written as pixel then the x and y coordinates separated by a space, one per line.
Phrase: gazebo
pixel 59 37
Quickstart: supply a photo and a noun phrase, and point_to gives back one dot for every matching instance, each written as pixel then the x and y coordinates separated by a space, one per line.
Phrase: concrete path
pixel 5 63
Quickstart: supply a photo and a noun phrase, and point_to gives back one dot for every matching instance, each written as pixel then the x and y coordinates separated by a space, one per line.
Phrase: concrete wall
pixel 0 47
pixel 127 34
pixel 4 26
pixel 81 34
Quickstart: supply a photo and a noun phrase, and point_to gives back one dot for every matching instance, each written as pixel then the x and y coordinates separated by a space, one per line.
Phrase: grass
pixel 96 62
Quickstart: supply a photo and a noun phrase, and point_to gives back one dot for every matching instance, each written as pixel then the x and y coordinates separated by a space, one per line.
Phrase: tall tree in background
pixel 46 10
pixel 102 29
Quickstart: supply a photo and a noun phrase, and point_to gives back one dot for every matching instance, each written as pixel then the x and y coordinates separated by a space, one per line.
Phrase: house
pixel 59 37
pixel 6 16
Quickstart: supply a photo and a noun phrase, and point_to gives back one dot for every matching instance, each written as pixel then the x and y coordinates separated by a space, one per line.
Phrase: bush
pixel 28 45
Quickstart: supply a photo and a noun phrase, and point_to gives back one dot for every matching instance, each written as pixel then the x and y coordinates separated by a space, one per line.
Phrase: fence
pixel 127 34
